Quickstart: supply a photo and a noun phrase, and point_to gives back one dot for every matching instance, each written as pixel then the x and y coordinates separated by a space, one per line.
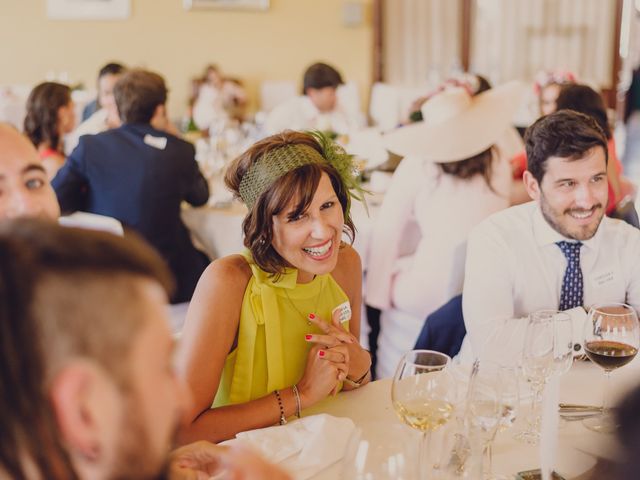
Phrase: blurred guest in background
pixel 318 108
pixel 547 88
pixel 275 329
pixel 105 116
pixel 89 393
pixel 140 174
pixel 25 190
pixel 631 158
pixel 452 177
pixel 218 99
pixel 50 116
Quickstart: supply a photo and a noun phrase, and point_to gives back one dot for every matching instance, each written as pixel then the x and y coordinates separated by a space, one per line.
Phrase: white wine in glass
pixel 611 340
pixel 422 395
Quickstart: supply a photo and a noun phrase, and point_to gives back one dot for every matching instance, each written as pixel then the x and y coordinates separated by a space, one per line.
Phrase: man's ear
pixel 159 121
pixel 531 185
pixel 73 400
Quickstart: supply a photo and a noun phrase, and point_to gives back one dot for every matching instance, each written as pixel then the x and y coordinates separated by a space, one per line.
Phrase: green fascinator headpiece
pixel 280 161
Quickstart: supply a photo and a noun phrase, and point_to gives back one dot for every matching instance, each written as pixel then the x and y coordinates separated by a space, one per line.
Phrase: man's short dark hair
pixel 111 69
pixel 137 94
pixel 64 293
pixel 321 75
pixel 564 133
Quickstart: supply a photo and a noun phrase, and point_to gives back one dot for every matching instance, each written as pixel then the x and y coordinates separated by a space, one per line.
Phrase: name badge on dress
pixel 156 142
pixel 345 311
pixel 600 279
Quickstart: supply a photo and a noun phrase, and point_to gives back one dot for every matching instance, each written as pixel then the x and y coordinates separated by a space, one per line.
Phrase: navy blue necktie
pixel 571 295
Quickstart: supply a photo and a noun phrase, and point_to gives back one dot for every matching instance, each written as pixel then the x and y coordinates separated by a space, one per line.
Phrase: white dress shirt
pixel 299 113
pixel 514 268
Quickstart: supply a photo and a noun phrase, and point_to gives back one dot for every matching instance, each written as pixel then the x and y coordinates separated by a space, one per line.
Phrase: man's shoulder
pixel 512 221
pixel 618 230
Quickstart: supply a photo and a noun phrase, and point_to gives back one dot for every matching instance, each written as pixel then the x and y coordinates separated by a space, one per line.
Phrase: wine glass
pixel 547 351
pixel 493 404
pixel 611 340
pixel 382 451
pixel 422 395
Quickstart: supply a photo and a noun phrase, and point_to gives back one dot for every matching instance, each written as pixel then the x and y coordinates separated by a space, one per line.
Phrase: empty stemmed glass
pixel 611 340
pixel 493 404
pixel 382 451
pixel 548 350
pixel 422 395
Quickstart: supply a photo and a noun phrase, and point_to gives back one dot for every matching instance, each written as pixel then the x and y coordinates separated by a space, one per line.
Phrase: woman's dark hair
pixel 41 121
pixel 299 185
pixel 584 99
pixel 479 164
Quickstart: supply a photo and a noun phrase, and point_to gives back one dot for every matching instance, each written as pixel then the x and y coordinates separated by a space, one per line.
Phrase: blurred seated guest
pixel 547 87
pixel 275 329
pixel 89 393
pixel 317 108
pixel 50 116
pixel 452 177
pixel 140 174
pixel 105 116
pixel 218 99
pixel 25 190
pixel 473 83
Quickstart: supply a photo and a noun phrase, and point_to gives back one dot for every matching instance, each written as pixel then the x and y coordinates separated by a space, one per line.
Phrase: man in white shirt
pixel 106 116
pixel 557 252
pixel 318 107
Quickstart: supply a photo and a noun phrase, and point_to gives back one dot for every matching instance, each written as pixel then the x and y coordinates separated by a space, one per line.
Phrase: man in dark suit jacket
pixel 139 174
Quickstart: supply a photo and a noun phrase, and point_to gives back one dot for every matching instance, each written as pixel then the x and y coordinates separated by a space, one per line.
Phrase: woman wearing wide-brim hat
pixel 452 177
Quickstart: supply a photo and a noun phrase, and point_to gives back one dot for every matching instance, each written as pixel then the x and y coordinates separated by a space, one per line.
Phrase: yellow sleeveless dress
pixel 272 351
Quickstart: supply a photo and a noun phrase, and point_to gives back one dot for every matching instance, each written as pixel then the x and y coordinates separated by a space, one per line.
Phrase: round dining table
pixel 577 447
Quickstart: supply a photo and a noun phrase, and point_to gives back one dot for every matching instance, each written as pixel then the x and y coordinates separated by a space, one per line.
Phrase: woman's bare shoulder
pixel 230 268
pixel 349 266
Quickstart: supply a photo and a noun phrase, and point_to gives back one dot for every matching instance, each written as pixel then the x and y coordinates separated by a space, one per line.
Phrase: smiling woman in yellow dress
pixel 275 329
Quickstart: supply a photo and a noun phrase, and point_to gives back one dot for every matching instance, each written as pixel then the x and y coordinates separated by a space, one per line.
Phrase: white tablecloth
pixel 577 446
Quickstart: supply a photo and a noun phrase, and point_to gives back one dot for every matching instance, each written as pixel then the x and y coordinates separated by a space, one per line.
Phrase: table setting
pixel 496 419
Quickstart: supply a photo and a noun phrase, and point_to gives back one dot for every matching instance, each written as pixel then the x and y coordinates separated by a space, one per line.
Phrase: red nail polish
pixel 321 353
pixel 312 316
pixel 307 337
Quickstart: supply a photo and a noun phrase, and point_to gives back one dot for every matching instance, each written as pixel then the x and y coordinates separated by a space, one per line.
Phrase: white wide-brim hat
pixel 457 126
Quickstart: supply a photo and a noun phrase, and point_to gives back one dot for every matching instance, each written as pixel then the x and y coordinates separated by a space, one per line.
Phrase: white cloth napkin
pixel 304 447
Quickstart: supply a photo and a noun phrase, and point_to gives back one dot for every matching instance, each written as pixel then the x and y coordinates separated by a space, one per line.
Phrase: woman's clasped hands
pixel 336 353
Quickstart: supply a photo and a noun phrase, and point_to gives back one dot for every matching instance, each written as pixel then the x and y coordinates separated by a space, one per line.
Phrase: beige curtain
pixel 511 39
pixel 518 38
pixel 421 41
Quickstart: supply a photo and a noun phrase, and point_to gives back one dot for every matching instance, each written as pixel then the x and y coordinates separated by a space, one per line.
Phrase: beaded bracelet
pixel 297 395
pixel 283 419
